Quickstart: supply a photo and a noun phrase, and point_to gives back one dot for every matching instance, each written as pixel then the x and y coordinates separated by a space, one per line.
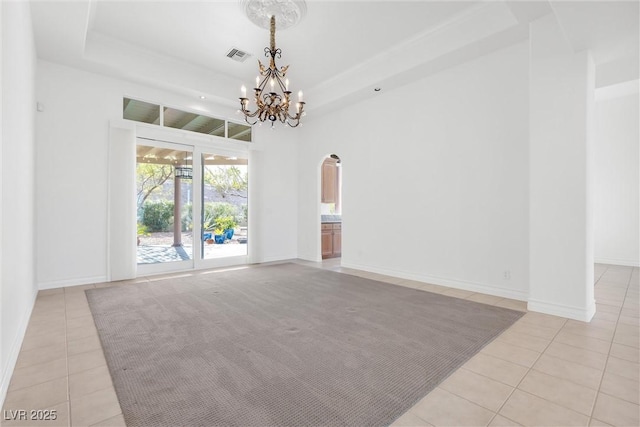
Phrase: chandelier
pixel 271 94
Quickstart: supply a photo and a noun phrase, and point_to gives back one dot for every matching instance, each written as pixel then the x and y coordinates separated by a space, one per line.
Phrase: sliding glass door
pixel 192 207
pixel 224 206
pixel 164 196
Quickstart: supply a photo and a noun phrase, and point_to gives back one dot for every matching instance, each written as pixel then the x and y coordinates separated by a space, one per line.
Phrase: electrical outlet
pixel 507 275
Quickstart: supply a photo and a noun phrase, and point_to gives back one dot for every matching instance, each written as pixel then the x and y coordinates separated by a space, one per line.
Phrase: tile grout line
pixel 600 277
pixel 529 369
pixel 95 367
pixel 617 397
pixel 590 337
pixel 598 390
pixel 555 357
pixel 414 414
pixel 595 402
pixel 463 398
pixel 66 352
pixel 488 377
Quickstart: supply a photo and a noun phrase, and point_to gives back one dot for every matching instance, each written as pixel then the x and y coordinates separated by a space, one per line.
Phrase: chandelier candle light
pixel 272 105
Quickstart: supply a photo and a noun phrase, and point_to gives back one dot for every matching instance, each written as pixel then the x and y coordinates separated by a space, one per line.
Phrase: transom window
pixel 145 112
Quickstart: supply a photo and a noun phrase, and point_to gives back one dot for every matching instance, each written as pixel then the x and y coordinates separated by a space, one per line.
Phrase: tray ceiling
pixel 338 53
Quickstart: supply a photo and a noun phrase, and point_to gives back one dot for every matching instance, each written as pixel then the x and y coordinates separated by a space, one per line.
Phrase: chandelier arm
pixel 293 126
pixel 283 88
pixel 263 83
pixel 271 75
pixel 251 115
pixel 289 116
pixel 246 119
pixel 293 119
pixel 299 113
pixel 282 116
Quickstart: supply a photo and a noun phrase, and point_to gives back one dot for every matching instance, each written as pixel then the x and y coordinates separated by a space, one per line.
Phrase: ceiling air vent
pixel 237 54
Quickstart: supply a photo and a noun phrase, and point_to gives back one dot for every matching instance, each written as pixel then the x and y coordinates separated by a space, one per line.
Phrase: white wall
pixel 72 174
pixel 562 103
pixel 273 194
pixel 121 244
pixel 18 288
pixel 617 188
pixel 435 177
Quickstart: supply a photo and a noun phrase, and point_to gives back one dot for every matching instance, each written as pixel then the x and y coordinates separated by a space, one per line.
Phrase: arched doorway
pixel 331 207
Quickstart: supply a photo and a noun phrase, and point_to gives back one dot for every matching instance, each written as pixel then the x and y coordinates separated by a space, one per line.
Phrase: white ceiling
pixel 339 52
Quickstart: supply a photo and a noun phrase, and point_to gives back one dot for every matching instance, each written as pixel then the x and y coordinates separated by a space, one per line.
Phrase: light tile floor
pixel 544 370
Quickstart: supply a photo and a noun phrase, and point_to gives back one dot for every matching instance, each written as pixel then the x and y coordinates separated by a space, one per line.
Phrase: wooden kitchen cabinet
pixel 331 240
pixel 337 240
pixel 327 241
pixel 330 181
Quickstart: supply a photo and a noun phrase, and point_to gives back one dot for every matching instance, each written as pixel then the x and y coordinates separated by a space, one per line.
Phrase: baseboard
pixel 275 259
pixel 622 262
pixel 71 282
pixel 7 371
pixel 570 312
pixel 309 257
pixel 443 281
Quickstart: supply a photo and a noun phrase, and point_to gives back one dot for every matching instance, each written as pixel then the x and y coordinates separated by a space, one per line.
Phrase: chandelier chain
pixel 272 30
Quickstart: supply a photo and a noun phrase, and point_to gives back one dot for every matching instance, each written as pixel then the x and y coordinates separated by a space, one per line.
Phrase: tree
pixel 227 180
pixel 150 178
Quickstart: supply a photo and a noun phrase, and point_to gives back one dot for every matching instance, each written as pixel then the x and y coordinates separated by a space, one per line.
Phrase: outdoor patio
pixel 157 248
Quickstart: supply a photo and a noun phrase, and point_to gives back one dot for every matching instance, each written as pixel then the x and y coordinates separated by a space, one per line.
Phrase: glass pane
pixel 140 111
pixel 165 219
pixel 239 132
pixel 224 206
pixel 193 122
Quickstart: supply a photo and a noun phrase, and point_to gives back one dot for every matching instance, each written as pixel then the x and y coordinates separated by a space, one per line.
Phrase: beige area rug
pixel 282 345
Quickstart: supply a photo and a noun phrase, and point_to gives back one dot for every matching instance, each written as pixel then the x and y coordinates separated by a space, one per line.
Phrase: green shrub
pixel 214 212
pixel 225 223
pixel 218 209
pixel 142 230
pixel 157 216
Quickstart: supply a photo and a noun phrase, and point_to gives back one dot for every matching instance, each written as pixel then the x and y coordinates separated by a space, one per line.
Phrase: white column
pixel 561 105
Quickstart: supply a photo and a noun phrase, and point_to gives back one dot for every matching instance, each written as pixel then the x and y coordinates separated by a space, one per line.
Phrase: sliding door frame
pixel 197 145
pixel 169 266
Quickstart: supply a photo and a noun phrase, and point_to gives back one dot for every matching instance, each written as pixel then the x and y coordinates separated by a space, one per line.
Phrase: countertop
pixel 330 219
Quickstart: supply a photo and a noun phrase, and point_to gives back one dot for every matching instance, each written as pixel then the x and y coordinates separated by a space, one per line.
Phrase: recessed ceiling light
pixel 203 97
pixel 378 89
